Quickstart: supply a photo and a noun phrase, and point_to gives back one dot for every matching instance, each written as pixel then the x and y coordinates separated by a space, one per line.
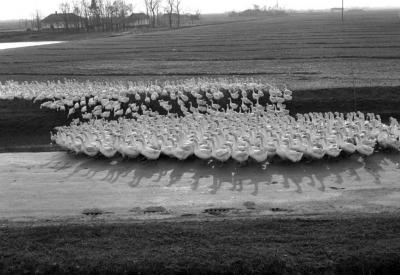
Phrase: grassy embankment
pixel 364 245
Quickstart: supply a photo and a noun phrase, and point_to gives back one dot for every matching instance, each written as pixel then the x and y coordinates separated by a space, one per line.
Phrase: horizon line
pixel 295 10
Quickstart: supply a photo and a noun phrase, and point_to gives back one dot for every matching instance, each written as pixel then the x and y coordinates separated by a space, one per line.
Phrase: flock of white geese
pixel 225 135
pixel 217 119
pixel 111 100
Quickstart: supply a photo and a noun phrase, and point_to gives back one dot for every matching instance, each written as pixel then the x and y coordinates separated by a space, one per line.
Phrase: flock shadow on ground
pixel 322 175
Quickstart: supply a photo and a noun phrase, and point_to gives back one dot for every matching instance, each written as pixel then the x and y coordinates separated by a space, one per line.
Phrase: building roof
pixel 60 17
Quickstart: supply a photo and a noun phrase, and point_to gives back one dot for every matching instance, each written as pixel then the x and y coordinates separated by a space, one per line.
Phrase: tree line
pixel 260 11
pixel 106 15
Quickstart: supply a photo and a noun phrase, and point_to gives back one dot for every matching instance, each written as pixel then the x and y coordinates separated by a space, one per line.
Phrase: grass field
pixel 345 245
pixel 10 26
pixel 303 51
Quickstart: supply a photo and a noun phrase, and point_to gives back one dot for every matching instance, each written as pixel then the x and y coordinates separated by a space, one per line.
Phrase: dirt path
pixel 60 185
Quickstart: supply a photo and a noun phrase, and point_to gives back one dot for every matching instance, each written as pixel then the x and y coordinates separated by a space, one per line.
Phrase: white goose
pixel 284 151
pixel 259 152
pixel 362 148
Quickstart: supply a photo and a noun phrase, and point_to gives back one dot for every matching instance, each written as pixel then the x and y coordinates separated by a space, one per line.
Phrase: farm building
pixel 58 21
pixel 138 19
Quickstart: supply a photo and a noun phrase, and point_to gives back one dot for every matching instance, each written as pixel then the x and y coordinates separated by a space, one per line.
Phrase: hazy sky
pixel 14 9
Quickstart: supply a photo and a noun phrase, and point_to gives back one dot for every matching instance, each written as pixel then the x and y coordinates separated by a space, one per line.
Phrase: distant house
pixel 138 19
pixel 62 21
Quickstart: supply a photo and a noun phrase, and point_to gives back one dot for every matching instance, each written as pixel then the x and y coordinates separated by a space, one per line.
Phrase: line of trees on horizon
pixel 260 11
pixel 106 15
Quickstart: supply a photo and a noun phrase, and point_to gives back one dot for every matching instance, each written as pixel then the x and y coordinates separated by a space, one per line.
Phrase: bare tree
pixel 147 5
pixel 178 11
pixel 103 15
pixel 114 14
pixel 170 11
pixel 152 7
pixel 109 11
pixel 158 14
pixel 95 12
pixel 195 17
pixel 76 9
pixel 38 20
pixel 123 10
pixel 85 14
pixel 65 9
pixel 102 12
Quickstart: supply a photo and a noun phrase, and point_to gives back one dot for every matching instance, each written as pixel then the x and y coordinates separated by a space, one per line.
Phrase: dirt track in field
pixel 57 184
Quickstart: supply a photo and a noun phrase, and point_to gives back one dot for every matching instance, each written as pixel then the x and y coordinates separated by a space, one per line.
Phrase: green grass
pixel 365 245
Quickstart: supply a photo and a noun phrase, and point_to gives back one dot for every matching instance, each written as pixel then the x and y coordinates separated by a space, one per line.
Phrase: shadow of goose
pixel 316 174
pixel 374 165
